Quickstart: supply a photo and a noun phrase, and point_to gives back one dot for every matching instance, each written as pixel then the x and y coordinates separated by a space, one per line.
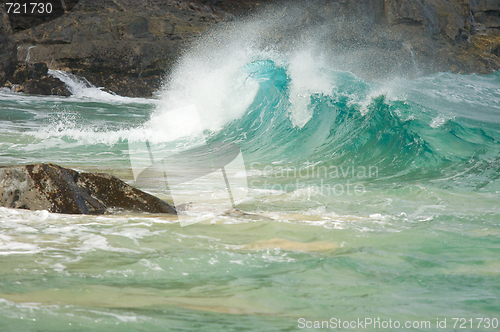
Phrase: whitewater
pixel 366 198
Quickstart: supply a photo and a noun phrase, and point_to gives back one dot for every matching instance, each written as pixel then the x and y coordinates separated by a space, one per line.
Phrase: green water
pixel 419 240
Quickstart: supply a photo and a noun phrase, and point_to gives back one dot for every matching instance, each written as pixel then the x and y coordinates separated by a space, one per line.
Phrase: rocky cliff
pixel 461 36
pixel 124 46
pixel 128 46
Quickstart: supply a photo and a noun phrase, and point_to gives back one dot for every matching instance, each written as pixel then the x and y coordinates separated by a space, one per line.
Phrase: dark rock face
pixel 450 35
pixel 39 14
pixel 125 46
pixel 60 190
pixel 114 193
pixel 32 78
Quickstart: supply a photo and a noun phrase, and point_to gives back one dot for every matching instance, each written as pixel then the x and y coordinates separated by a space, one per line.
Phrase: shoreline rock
pixel 126 47
pixel 61 190
pixel 33 78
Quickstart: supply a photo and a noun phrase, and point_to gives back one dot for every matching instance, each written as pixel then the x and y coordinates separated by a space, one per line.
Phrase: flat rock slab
pixel 61 190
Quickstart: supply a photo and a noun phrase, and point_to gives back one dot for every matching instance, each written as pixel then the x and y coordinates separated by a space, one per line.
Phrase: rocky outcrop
pixel 383 38
pixel 129 46
pixel 61 190
pixel 124 46
pixel 460 36
pixel 33 78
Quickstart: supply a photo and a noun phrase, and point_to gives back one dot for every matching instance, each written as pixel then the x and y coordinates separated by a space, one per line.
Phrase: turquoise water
pixel 372 200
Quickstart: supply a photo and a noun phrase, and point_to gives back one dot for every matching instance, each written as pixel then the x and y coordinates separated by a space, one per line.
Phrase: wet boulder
pixel 33 78
pixel 61 190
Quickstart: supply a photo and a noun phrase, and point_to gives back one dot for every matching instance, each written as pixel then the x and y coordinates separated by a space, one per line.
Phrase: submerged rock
pixel 61 190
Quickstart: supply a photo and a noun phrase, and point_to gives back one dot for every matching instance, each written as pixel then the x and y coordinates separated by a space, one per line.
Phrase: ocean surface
pixel 370 200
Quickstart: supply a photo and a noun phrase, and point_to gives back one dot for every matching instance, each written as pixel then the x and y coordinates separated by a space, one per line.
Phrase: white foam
pixel 163 128
pixel 308 77
pixel 172 124
pixel 83 89
pixel 58 267
pixel 388 90
pixel 9 246
pixel 122 318
pixel 14 215
pixel 131 233
pixel 93 242
pixel 440 120
pixel 213 78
